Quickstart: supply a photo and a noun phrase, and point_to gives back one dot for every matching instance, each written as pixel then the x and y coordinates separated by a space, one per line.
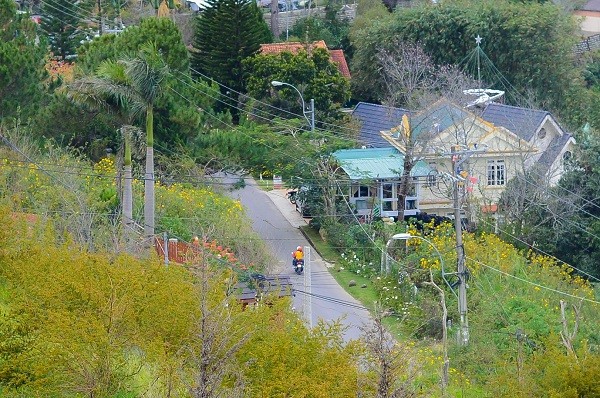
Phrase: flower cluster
pixel 353 263
pixel 214 252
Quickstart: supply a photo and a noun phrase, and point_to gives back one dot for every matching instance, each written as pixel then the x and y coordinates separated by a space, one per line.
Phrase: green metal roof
pixel 376 163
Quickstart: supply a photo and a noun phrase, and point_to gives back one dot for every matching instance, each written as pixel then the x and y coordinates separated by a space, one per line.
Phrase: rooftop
pixel 337 56
pixel 380 163
pixel 374 119
pixel 521 121
pixel 591 5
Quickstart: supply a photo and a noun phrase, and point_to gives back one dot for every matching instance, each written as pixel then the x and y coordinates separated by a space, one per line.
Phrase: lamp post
pixel 407 236
pixel 464 325
pixel 310 121
pixel 385 256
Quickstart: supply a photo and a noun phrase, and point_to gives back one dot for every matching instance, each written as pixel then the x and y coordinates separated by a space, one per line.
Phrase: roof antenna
pixel 478 42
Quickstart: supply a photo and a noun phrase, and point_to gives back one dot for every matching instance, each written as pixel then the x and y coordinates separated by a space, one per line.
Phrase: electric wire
pixel 270 105
pixel 66 12
pixel 530 282
pixel 272 148
pixel 270 116
pixel 541 251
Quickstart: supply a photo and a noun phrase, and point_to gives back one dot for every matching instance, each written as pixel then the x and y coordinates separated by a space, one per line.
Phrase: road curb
pixel 327 264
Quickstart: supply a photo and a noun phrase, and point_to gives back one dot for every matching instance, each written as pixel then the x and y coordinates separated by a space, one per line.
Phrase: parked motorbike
pixel 291 195
pixel 299 267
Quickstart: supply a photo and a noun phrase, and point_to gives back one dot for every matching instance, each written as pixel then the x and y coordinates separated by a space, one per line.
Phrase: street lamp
pixel 407 236
pixel 464 325
pixel 310 121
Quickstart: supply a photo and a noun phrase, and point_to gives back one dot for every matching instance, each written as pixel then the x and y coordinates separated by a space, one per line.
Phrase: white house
pixel 515 140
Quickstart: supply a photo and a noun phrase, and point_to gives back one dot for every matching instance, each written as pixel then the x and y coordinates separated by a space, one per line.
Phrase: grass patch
pixel 367 296
pixel 325 251
pixel 264 184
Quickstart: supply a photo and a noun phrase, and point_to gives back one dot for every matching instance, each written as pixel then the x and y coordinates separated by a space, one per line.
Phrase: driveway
pixel 276 221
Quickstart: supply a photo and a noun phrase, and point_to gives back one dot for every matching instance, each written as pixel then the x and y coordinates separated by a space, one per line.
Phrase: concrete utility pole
pixel 100 16
pixel 308 286
pixel 458 157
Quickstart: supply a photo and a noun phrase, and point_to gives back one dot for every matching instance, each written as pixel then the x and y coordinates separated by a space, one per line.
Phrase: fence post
pixel 166 248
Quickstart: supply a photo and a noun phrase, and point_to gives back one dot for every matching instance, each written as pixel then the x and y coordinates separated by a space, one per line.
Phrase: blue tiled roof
pixel 375 119
pixel 551 153
pixel 380 163
pixel 440 116
pixel 521 121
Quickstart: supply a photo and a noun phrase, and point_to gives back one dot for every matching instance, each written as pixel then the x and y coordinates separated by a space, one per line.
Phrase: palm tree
pixel 133 86
pixel 147 75
pixel 105 91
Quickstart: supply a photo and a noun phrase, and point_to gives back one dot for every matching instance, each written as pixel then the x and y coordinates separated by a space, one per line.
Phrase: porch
pixel 374 181
pixel 380 199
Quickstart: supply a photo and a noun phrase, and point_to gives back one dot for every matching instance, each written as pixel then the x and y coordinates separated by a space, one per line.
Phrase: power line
pixel 541 251
pixel 532 283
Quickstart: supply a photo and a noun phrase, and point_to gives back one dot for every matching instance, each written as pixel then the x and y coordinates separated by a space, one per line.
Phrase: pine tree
pixel 21 64
pixel 61 21
pixel 227 32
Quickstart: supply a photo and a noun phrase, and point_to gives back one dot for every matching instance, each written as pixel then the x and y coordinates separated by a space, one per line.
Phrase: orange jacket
pixel 298 255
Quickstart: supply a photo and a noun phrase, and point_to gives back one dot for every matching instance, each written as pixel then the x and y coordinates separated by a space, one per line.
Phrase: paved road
pixel 276 221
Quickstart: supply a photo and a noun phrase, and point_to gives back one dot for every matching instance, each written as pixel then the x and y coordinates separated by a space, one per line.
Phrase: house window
pixel 363 191
pixel 361 204
pixel 411 190
pixel 542 134
pixel 411 204
pixel 388 191
pixel 567 155
pixel 432 179
pixel 496 173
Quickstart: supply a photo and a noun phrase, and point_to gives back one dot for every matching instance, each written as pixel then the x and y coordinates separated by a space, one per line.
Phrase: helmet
pixel 299 248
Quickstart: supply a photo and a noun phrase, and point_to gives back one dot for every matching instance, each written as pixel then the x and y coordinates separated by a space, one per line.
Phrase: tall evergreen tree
pixel 62 21
pixel 21 63
pixel 227 32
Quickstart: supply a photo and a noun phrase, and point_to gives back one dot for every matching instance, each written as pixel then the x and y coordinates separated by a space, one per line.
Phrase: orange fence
pixel 178 251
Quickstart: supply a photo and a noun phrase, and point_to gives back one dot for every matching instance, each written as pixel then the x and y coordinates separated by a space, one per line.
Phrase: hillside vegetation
pixel 78 319
pixel 88 308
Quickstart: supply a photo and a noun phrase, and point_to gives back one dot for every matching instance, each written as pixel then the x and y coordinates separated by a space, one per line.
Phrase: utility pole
pixel 308 286
pixel 100 16
pixel 312 115
pixel 458 157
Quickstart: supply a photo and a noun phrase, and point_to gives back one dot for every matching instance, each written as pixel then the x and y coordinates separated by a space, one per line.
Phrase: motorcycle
pixel 299 266
pixel 291 195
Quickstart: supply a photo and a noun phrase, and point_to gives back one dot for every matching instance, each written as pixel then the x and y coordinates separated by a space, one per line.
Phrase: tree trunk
pixel 149 178
pixel 127 187
pixel 127 201
pixel 275 18
pixel 405 184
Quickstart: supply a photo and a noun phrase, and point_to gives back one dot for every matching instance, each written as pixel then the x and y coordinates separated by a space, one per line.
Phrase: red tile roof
pixel 337 56
pixel 292 46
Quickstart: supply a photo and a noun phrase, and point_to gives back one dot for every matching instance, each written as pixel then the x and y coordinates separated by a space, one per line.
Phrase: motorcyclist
pixel 297 255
